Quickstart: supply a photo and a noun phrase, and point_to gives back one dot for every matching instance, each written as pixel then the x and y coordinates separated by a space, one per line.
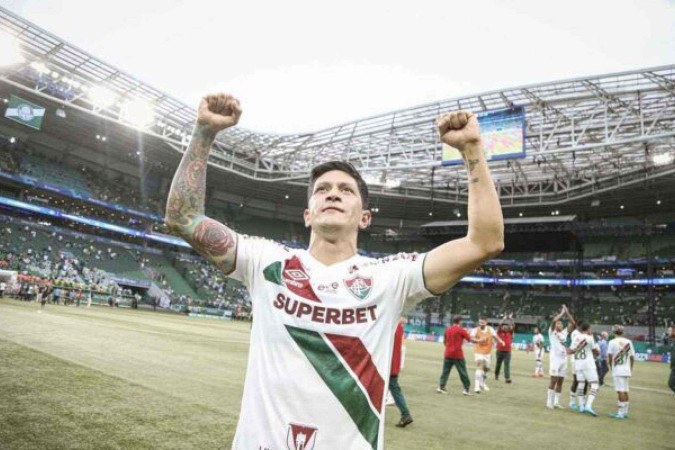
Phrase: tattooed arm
pixel 185 205
pixel 447 263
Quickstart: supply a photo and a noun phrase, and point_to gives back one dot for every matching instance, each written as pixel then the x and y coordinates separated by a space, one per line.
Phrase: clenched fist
pixel 218 111
pixel 459 129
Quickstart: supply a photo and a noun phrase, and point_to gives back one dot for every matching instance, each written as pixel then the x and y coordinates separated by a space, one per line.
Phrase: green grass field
pixel 122 379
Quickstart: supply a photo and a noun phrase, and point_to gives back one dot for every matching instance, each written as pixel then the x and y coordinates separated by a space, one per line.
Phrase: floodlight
pixel 663 159
pixel 101 97
pixel 138 112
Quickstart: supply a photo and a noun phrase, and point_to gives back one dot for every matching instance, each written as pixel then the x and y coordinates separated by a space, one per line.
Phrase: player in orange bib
pixel 484 336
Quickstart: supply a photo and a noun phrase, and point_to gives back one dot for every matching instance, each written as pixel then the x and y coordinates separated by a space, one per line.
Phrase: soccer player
pixel 584 348
pixel 538 346
pixel 620 358
pixel 505 333
pixel 394 387
pixel 322 339
pixel 483 336
pixel 453 339
pixel 573 387
pixel 557 336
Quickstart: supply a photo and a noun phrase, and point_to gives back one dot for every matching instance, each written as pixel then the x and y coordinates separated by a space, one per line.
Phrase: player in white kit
pixel 321 342
pixel 621 357
pixel 584 348
pixel 538 347
pixel 557 336
pixel 573 386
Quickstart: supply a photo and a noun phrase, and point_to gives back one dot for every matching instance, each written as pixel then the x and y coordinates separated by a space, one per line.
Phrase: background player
pixel 505 333
pixel 557 336
pixel 620 358
pixel 573 387
pixel 538 347
pixel 484 336
pixel 397 358
pixel 584 348
pixel 454 356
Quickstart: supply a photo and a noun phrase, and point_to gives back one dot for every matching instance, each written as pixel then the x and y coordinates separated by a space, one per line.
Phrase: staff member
pixel 394 387
pixel 454 356
pixel 505 333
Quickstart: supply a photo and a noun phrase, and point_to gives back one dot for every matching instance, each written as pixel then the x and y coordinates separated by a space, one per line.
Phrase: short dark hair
pixel 457 319
pixel 482 318
pixel 342 166
pixel 585 326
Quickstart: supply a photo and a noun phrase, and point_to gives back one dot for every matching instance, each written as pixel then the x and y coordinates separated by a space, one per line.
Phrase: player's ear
pixel 306 217
pixel 366 218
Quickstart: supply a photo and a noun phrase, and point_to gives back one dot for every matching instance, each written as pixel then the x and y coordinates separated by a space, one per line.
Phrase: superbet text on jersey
pixel 321 344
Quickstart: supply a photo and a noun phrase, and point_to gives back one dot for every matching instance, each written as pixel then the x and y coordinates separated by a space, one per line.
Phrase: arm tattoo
pixel 185 206
pixel 188 189
pixel 215 241
pixel 472 163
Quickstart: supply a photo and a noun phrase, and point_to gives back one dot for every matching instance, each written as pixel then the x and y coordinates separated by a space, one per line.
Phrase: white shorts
pixel 482 357
pixel 586 373
pixel 621 384
pixel 557 367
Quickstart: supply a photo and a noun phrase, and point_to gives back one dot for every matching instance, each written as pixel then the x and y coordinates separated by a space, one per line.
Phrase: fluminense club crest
pixel 359 286
pixel 300 436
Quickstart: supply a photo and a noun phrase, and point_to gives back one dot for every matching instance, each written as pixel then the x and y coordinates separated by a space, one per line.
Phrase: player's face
pixel 335 204
pixel 558 326
pixel 482 323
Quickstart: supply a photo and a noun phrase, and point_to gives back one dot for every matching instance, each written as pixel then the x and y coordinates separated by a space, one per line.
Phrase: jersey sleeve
pixel 632 349
pixel 252 254
pixel 611 348
pixel 407 271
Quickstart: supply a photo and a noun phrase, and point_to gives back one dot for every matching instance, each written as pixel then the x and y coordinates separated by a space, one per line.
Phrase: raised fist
pixel 459 129
pixel 218 111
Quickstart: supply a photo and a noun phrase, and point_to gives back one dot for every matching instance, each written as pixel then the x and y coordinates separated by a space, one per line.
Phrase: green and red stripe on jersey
pixel 360 394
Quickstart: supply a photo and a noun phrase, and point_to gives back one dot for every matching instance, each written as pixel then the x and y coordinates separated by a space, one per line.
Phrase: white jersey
pixel 583 346
pixel 573 336
pixel 620 350
pixel 321 341
pixel 558 340
pixel 538 339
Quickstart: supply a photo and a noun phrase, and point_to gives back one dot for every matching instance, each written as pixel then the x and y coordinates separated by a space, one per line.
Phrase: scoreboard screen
pixel 503 133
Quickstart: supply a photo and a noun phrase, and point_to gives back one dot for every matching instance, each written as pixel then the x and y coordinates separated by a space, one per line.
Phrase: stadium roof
pixel 584 136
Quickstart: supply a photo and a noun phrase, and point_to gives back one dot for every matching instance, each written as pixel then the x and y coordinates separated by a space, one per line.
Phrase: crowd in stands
pixel 83 181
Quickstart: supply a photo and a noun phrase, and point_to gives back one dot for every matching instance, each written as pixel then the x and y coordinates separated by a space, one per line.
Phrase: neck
pixel 330 251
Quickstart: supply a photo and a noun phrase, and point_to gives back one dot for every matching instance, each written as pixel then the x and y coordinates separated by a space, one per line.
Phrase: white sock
pixel 556 398
pixel 479 378
pixel 581 399
pixel 625 408
pixel 594 391
pixel 573 397
pixel 549 399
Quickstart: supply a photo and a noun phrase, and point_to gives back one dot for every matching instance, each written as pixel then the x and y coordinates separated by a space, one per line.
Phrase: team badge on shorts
pixel 301 437
pixel 359 286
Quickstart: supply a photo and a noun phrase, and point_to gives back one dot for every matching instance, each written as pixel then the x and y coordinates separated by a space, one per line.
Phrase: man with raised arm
pixel 325 317
pixel 557 337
